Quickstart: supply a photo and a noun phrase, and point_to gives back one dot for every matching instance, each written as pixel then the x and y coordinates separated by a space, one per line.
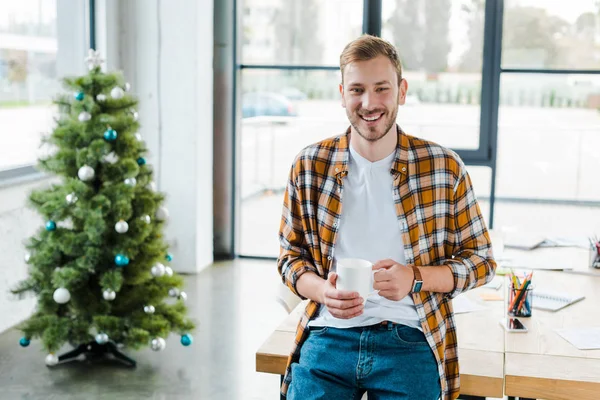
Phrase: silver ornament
pixel 138 137
pixel 110 158
pixel 135 114
pixel 117 93
pixel 162 214
pixel 93 59
pixel 130 181
pixel 71 198
pixel 101 97
pixel 109 294
pixel 173 292
pixel 121 226
pixel 149 309
pixel 158 270
pixel 102 338
pixel 86 173
pixel 151 186
pixel 84 116
pixel 168 271
pixel 127 87
pixel 158 344
pixel 27 257
pixel 61 296
pixel 51 360
pixel 183 296
pixel 146 219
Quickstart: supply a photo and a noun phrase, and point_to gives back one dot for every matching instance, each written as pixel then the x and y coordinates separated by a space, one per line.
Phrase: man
pixel 406 205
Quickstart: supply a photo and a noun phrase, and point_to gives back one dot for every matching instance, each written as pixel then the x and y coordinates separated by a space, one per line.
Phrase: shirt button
pixel 329 258
pixel 335 224
pixel 337 170
pixel 403 169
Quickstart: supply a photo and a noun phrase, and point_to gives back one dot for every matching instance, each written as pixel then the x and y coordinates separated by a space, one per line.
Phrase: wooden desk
pixel 480 338
pixel 540 363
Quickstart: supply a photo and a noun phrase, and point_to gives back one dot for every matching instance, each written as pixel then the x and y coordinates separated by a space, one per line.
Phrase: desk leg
pixel 281 383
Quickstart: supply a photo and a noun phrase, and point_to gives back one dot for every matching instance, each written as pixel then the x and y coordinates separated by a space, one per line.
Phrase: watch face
pixel 417 286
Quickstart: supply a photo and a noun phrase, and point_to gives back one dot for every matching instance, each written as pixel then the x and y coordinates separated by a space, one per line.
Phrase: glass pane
pixel 481 178
pixel 551 34
pixel 310 32
pixel 28 81
pixel 548 145
pixel 441 45
pixel 282 112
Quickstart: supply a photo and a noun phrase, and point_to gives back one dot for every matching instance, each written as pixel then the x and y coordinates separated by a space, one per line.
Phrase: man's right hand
pixel 341 303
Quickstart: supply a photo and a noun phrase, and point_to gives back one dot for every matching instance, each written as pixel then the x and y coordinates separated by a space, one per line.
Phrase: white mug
pixel 355 275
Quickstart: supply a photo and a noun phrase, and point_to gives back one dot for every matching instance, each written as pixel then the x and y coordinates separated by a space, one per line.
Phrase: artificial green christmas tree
pixel 97 267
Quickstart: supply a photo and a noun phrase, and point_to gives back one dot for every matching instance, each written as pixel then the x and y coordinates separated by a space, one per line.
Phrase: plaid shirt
pixel 439 218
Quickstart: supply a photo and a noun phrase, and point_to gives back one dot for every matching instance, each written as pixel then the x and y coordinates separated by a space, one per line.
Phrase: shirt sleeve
pixel 472 261
pixel 295 257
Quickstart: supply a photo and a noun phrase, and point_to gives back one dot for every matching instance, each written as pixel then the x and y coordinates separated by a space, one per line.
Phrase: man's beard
pixel 372 135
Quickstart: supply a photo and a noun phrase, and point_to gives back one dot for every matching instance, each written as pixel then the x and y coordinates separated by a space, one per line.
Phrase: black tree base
pixel 93 350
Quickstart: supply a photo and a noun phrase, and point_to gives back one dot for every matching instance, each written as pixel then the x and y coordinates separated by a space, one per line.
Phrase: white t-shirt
pixel 369 229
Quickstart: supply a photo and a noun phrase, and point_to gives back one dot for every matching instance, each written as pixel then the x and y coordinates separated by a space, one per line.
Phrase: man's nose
pixel 367 101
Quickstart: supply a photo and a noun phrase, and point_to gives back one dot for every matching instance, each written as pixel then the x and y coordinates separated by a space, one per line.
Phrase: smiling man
pixel 403 203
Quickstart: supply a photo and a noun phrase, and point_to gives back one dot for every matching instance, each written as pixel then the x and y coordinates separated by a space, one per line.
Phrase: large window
pixel 32 43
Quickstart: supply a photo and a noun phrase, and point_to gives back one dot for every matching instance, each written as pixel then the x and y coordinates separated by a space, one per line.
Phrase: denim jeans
pixel 387 361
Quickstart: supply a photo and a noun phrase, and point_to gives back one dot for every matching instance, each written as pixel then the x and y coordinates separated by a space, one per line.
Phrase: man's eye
pixel 381 89
pixel 356 90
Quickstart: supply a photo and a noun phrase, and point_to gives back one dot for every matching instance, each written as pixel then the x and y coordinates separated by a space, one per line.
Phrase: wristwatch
pixel 418 281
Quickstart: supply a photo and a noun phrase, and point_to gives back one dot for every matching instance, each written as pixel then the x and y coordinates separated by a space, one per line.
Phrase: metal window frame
pixel 27 173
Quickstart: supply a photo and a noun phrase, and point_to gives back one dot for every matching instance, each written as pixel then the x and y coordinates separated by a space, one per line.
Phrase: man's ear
pixel 342 93
pixel 402 89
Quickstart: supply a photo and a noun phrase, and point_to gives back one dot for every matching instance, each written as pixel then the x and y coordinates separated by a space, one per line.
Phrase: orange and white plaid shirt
pixel 439 218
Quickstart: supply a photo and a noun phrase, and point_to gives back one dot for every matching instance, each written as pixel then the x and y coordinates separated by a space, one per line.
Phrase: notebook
pixel 553 301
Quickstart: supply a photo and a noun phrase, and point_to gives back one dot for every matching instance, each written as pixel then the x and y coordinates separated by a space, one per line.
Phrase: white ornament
pixel 151 186
pixel 183 296
pixel 102 338
pixel 109 294
pixel 127 87
pixel 135 114
pixel 162 214
pixel 158 270
pixel 27 257
pixel 146 219
pixel 149 309
pixel 111 158
pixel 158 344
pixel 117 93
pixel 168 271
pixel 51 360
pixel 138 137
pixel 84 116
pixel 61 296
pixel 93 59
pixel 101 97
pixel 173 292
pixel 71 198
pixel 86 173
pixel 121 226
pixel 130 181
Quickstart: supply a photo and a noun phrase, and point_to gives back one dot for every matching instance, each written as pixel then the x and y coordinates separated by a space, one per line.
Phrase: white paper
pixel 582 338
pixel 496 283
pixel 462 304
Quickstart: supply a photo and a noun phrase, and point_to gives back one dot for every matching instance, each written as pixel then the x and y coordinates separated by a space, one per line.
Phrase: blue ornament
pixel 186 339
pixel 24 342
pixel 79 96
pixel 169 257
pixel 110 135
pixel 121 260
pixel 141 161
pixel 50 225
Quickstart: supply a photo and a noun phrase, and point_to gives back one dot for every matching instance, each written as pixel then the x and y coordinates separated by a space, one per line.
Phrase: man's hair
pixel 368 47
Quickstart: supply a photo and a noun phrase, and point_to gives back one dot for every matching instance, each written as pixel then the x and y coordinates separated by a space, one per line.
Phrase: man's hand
pixel 341 303
pixel 392 280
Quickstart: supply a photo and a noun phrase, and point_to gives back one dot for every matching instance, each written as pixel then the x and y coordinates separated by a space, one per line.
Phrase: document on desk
pixel 462 304
pixel 550 258
pixel 582 338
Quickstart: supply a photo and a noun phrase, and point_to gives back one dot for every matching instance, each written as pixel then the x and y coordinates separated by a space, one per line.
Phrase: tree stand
pixel 93 350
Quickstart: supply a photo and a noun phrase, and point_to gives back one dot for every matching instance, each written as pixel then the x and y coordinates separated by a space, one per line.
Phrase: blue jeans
pixel 387 361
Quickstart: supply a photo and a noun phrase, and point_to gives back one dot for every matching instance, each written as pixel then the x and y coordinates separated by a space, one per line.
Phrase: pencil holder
pixel 594 258
pixel 520 304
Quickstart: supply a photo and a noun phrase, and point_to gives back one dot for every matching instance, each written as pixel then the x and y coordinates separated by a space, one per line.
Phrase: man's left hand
pixel 393 280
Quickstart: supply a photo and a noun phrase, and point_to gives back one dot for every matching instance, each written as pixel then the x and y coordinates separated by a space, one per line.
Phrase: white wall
pixel 166 52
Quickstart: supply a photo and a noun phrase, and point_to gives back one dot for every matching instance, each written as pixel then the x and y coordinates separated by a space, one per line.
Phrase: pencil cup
pixel 594 258
pixel 520 304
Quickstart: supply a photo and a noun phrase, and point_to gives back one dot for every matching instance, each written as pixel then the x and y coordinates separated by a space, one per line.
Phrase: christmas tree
pixel 97 267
